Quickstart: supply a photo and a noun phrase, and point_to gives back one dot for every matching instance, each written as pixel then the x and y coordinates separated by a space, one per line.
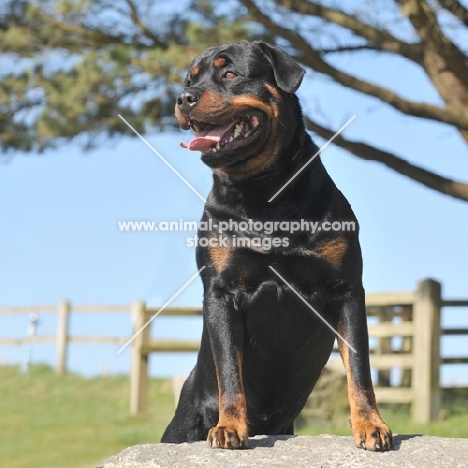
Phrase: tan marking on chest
pixel 219 256
pixel 333 250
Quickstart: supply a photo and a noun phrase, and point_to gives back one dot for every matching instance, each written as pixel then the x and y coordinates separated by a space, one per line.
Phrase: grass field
pixel 69 421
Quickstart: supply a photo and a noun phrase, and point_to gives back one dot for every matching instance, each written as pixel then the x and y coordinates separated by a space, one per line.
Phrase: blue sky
pixel 59 237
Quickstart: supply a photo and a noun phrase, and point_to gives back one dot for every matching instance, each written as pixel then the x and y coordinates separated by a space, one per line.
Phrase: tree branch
pixel 334 50
pixel 424 20
pixel 383 39
pixel 457 9
pixel 312 58
pixel 370 153
pixel 141 25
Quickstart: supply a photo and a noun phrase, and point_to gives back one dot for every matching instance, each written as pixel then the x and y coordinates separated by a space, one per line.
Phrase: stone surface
pixel 323 451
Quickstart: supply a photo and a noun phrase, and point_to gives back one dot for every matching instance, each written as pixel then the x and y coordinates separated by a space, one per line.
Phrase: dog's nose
pixel 189 97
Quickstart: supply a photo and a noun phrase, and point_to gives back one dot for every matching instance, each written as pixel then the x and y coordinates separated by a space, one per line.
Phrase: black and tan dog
pixel 263 348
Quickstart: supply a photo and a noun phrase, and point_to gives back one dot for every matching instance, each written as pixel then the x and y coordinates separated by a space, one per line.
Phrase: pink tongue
pixel 207 139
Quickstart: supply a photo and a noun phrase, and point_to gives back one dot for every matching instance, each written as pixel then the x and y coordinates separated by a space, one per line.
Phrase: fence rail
pixel 63 310
pixel 414 316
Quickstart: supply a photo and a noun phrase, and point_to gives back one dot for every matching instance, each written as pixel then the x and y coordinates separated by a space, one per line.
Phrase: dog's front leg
pixel 226 330
pixel 369 430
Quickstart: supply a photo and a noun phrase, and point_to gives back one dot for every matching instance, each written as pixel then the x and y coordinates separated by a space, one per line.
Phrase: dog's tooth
pixel 217 146
pixel 238 129
pixel 230 139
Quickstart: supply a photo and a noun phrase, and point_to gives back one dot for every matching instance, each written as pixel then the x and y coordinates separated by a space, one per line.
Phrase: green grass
pixel 69 421
pixel 454 424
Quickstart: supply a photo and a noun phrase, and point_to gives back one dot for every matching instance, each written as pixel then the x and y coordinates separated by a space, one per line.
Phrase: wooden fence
pixel 412 316
pixel 63 337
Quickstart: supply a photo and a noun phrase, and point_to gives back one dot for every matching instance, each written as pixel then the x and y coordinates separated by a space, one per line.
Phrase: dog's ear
pixel 288 73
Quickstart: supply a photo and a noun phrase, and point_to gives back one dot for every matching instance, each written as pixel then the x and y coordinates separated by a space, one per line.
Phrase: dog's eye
pixel 189 82
pixel 229 75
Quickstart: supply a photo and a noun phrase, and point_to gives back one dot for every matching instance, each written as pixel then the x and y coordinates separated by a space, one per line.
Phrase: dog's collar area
pixel 288 168
pixel 292 164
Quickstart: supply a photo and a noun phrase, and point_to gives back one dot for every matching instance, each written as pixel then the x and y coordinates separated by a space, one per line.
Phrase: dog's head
pixel 239 100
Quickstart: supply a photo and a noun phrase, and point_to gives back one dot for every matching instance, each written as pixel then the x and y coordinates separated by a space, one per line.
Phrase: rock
pixel 323 451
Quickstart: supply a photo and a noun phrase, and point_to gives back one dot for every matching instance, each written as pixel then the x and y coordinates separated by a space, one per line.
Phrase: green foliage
pixel 68 68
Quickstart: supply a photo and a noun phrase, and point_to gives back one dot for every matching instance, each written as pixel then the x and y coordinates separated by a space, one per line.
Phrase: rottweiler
pixel 274 303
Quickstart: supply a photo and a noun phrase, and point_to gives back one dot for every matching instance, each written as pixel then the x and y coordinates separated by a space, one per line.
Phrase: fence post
pixel 407 347
pixel 63 315
pixel 426 352
pixel 139 360
pixel 384 346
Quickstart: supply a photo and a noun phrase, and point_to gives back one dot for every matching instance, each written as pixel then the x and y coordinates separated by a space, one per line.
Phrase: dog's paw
pixel 372 434
pixel 228 437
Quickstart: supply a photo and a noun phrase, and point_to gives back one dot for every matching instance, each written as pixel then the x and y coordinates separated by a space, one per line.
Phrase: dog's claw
pixel 227 437
pixel 374 436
